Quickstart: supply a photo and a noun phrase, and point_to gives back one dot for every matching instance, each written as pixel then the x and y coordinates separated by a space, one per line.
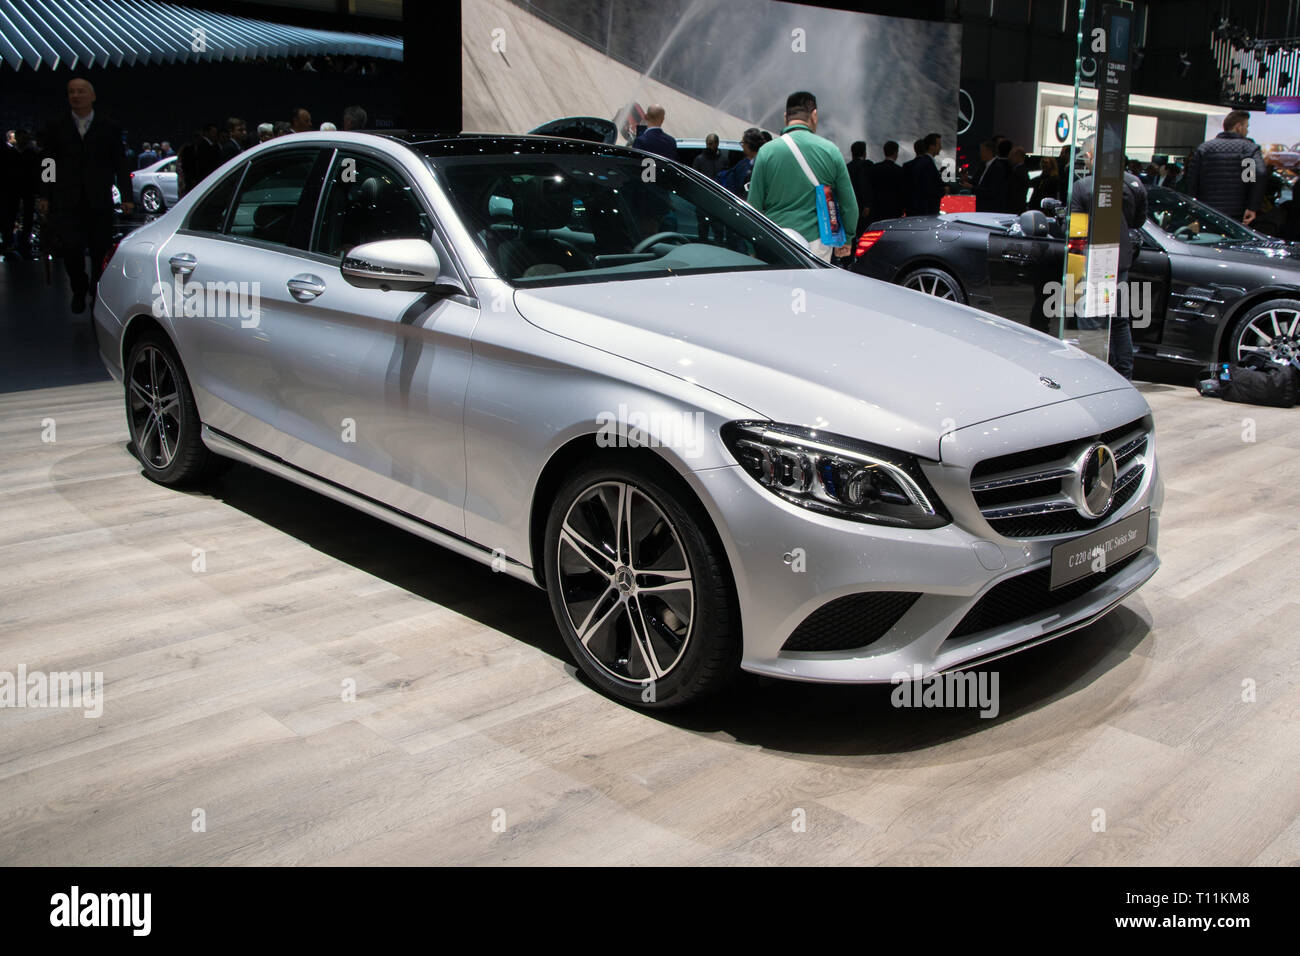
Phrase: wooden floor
pixel 224 692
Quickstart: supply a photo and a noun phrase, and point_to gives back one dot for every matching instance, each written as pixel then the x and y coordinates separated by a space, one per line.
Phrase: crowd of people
pixel 772 177
pixel 215 143
pixel 86 155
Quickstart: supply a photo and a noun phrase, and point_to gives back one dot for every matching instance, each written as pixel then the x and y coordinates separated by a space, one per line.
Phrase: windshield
pixel 1190 221
pixel 562 217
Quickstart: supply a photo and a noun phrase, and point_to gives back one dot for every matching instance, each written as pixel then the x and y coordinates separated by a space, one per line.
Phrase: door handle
pixel 304 287
pixel 183 263
pixel 1017 256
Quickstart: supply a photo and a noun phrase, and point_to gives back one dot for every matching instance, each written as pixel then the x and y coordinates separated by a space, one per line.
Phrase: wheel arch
pixel 138 326
pixel 583 448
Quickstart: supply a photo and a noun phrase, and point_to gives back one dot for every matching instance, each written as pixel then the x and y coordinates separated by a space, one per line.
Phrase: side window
pixel 366 201
pixel 210 213
pixel 168 167
pixel 271 197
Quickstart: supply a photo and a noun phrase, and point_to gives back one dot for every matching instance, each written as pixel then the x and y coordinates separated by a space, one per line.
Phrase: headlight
pixel 835 475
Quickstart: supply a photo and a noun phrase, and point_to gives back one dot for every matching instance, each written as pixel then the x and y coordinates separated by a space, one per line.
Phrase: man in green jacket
pixel 781 190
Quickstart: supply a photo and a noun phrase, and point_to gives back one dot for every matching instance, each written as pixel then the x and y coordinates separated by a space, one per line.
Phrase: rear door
pixel 239 246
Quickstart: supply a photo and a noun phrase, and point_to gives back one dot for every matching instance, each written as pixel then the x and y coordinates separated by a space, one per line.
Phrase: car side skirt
pixel 221 444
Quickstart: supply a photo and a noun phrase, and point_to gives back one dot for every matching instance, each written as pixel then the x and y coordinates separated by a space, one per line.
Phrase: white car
pixel 155 187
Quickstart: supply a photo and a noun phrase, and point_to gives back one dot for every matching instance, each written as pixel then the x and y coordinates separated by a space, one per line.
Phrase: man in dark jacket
pixel 924 181
pixel 711 161
pixel 88 156
pixel 993 188
pixel 887 188
pixel 860 177
pixel 653 139
pixel 10 177
pixel 1228 172
pixel 1120 352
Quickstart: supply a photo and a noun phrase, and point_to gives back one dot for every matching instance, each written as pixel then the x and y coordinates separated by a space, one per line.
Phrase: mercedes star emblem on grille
pixel 1095 489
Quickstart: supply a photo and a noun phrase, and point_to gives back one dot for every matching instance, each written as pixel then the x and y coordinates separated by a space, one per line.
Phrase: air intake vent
pixel 851 622
pixel 1028 595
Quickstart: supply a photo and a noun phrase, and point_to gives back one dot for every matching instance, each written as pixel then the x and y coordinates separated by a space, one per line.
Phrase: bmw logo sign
pixel 1062 128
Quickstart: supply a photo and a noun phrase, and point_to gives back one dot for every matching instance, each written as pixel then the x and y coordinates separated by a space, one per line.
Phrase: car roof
pixel 436 145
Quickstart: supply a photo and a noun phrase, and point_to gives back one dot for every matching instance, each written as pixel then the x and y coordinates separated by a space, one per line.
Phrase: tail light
pixel 108 256
pixel 867 240
pixel 1078 246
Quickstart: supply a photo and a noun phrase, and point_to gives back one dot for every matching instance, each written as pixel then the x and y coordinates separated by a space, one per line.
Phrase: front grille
pixel 1029 595
pixel 1023 495
pixel 851 622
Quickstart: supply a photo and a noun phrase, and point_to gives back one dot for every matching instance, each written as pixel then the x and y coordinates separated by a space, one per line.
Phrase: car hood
pixel 861 357
pixel 1285 254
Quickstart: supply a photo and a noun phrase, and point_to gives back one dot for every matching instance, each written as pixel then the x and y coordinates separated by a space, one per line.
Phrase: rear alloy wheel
pixel 151 198
pixel 1272 328
pixel 934 282
pixel 162 416
pixel 638 590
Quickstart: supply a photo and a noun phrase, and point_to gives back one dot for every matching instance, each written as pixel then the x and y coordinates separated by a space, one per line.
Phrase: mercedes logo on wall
pixel 965 111
pixel 1092 486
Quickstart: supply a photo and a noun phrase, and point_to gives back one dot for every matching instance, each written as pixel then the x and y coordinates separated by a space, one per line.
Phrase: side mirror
pixel 1033 224
pixel 796 237
pixel 1050 206
pixel 388 264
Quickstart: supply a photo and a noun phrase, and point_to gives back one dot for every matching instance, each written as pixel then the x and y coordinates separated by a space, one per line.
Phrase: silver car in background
pixel 713 455
pixel 155 185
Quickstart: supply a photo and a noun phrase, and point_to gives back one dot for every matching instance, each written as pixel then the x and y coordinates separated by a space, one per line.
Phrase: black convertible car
pixel 1216 288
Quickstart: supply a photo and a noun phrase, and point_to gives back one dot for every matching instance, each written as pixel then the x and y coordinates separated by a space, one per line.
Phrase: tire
pixel 689 618
pixel 162 417
pixel 151 198
pixel 936 282
pixel 1272 327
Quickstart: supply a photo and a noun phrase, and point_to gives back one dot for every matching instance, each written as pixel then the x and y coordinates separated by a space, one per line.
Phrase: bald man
pixel 653 139
pixel 89 155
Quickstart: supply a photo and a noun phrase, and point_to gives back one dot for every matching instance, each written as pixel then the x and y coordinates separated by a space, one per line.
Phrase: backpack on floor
pixel 1258 380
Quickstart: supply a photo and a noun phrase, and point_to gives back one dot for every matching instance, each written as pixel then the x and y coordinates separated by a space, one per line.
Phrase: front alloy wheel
pixel 625 581
pixel 638 587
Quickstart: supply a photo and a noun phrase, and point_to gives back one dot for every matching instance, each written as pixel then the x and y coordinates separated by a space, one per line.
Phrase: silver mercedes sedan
pixel 715 455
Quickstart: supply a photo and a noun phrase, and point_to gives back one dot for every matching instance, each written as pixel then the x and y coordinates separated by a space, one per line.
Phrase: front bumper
pixel 951 569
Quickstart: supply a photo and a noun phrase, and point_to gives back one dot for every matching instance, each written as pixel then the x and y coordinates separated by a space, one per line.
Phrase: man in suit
pixel 207 154
pixel 924 181
pixel 860 177
pixel 993 188
pixel 887 190
pixel 238 131
pixel 653 139
pixel 88 156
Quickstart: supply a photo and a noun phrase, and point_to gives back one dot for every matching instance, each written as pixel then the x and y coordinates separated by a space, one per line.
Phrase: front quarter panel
pixel 531 392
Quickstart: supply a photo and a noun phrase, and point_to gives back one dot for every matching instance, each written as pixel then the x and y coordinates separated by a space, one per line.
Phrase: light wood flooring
pixel 223 692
